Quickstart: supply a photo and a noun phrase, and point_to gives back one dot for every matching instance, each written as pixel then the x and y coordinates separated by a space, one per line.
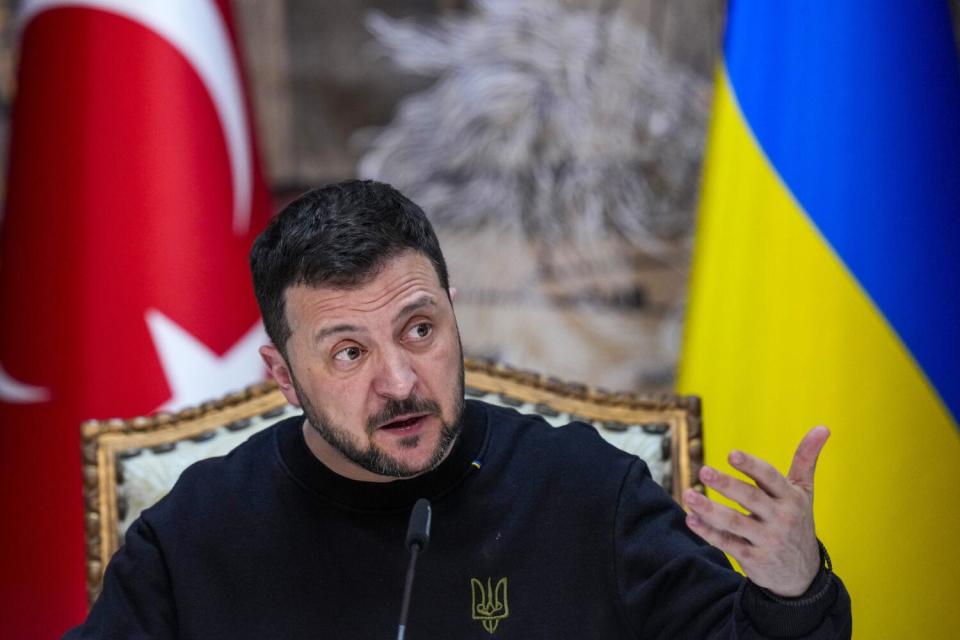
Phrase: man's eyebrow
pixel 423 301
pixel 337 328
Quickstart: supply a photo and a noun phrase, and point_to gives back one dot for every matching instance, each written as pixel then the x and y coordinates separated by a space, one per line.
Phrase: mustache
pixel 396 408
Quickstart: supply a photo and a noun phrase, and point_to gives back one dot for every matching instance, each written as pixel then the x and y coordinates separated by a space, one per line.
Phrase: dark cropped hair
pixel 340 235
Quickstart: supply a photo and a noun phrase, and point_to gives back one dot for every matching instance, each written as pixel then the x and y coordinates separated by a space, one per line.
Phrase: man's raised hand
pixel 776 543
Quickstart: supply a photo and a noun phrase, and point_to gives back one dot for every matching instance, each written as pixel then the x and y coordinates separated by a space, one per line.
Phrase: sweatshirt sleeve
pixel 673 585
pixel 136 601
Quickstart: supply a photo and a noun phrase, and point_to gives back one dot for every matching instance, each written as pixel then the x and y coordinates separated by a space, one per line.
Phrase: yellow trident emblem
pixel 490 603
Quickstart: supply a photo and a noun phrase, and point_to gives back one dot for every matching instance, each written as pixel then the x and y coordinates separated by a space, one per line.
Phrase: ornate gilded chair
pixel 130 464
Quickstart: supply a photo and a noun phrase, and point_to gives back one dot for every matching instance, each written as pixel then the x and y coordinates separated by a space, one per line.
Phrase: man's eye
pixel 420 330
pixel 348 354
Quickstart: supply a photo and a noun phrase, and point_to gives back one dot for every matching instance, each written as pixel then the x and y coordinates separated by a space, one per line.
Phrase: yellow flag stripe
pixel 780 338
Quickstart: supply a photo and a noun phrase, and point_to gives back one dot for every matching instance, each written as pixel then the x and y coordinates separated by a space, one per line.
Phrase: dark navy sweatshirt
pixel 538 532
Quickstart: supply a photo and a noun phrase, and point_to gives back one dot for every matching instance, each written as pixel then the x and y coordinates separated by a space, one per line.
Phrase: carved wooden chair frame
pixel 105 442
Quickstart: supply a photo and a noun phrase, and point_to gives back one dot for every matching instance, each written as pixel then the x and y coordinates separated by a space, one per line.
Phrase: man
pixel 537 532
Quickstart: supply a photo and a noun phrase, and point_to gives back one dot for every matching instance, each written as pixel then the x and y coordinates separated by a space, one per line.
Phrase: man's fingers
pixel 805 459
pixel 748 496
pixel 727 542
pixel 722 517
pixel 760 471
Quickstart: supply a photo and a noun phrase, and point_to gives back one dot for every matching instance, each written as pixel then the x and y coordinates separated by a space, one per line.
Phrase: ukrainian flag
pixel 826 284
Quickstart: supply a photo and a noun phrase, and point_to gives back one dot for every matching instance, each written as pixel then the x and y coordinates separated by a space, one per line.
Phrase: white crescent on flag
pixel 196 29
pixel 19 393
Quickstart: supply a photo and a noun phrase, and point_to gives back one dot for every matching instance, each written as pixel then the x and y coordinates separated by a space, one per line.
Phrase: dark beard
pixel 374 459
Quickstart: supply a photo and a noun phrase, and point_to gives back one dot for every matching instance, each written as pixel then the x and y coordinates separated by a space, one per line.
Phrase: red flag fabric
pixel 133 197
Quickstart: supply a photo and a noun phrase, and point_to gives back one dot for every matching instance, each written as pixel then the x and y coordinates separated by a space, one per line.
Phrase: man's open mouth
pixel 406 422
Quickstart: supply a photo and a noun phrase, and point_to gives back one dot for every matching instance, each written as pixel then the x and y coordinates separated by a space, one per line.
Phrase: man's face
pixel 377 369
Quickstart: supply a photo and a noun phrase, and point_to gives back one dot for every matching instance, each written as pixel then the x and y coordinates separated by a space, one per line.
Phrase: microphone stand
pixel 418 535
pixel 407 589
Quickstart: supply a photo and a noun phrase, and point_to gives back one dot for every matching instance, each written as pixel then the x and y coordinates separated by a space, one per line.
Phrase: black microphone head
pixel 418 532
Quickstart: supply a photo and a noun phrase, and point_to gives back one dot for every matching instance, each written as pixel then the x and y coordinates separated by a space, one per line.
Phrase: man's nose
pixel 396 377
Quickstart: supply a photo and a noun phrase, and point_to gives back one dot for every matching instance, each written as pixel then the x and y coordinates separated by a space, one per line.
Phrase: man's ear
pixel 453 293
pixel 280 371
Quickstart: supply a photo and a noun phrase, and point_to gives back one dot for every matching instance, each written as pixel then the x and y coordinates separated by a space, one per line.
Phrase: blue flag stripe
pixel 872 153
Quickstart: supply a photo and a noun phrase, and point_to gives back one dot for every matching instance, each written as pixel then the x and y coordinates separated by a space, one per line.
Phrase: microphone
pixel 418 531
pixel 418 536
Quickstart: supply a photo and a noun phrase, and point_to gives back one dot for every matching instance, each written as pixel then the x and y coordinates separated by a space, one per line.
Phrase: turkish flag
pixel 133 197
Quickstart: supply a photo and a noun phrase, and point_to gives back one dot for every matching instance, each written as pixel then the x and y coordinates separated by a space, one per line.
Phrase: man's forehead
pixel 402 283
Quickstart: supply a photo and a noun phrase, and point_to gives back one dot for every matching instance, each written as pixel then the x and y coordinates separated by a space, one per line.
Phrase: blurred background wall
pixel 325 87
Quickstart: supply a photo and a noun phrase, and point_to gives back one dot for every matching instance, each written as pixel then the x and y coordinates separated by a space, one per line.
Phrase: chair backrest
pixel 130 464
